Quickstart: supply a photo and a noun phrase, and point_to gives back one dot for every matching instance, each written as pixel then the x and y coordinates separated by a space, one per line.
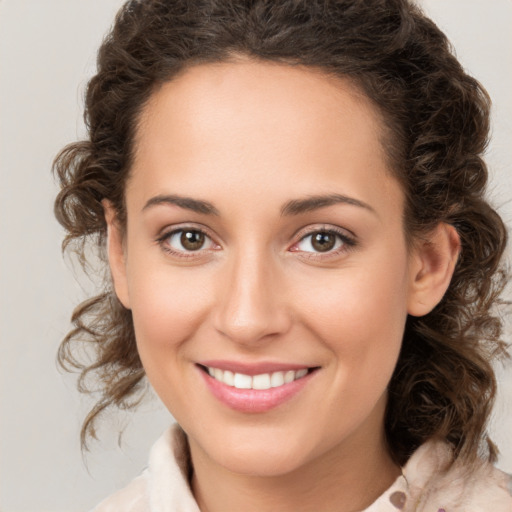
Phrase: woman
pixel 303 264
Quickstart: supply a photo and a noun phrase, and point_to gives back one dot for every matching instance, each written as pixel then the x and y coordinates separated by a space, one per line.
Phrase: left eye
pixel 320 241
pixel 189 240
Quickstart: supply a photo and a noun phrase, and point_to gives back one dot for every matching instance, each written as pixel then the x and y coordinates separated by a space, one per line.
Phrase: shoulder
pixel 132 498
pixel 433 487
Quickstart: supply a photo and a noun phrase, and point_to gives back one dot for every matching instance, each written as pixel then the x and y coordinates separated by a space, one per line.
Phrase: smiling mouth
pixel 262 381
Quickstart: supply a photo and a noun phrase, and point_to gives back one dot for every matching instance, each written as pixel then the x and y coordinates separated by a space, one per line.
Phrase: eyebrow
pixel 298 206
pixel 293 207
pixel 187 203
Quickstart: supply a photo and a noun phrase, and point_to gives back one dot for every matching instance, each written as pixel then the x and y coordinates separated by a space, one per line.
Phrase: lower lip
pixel 254 400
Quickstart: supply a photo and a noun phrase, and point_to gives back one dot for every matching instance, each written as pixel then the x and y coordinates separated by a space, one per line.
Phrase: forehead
pixel 272 94
pixel 227 123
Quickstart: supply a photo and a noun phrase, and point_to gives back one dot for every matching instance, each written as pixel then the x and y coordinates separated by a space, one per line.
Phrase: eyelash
pixel 347 242
pixel 164 238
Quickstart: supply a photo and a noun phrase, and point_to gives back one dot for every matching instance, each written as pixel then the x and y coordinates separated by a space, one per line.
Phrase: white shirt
pixel 423 486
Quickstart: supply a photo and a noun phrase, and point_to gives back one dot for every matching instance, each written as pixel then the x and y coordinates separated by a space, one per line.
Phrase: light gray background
pixel 47 53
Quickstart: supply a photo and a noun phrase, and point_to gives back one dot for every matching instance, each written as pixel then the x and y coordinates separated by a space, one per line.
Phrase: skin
pixel 249 137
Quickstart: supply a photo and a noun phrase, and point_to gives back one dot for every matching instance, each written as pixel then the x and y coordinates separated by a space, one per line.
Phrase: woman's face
pixel 265 241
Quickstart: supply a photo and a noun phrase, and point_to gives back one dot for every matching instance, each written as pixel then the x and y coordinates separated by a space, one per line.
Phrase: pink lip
pixel 252 368
pixel 254 400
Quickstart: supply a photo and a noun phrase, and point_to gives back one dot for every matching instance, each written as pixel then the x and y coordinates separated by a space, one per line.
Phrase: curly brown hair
pixel 437 118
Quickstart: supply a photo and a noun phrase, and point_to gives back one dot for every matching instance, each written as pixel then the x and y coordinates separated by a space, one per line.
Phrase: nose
pixel 252 307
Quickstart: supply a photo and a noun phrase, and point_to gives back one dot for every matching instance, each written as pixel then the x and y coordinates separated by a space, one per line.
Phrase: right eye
pixel 186 240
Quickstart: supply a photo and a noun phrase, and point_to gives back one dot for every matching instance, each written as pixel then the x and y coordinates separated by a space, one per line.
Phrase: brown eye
pixel 187 242
pixel 192 240
pixel 323 241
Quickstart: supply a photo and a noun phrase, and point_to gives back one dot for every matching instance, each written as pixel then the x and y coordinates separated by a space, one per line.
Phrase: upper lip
pixel 256 368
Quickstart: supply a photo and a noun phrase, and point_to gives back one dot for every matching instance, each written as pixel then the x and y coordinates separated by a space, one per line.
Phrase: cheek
pixel 359 313
pixel 168 306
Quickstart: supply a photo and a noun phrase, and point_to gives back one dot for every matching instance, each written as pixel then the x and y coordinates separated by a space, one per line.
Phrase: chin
pixel 267 455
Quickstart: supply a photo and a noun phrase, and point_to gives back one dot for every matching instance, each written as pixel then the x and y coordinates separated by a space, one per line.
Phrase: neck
pixel 344 479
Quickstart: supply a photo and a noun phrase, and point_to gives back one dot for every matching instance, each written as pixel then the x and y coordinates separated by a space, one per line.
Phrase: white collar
pixel 425 484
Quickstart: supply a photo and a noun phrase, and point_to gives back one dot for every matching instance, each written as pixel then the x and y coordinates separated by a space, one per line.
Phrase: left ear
pixel 433 262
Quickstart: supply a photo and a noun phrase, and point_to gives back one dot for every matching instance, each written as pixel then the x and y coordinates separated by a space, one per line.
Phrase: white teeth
pixel 289 376
pixel 242 381
pixel 277 379
pixel 300 373
pixel 229 378
pixel 262 381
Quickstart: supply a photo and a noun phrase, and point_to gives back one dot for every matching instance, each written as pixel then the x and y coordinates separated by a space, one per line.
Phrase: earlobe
pixel 432 268
pixel 116 254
